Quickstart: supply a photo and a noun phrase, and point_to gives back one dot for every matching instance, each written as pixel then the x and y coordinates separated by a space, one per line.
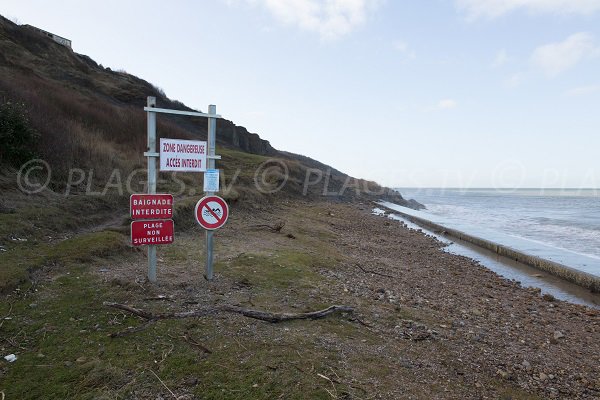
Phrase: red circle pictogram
pixel 211 212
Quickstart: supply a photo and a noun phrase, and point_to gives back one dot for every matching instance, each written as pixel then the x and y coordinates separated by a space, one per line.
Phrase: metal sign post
pixel 152 155
pixel 196 166
pixel 212 135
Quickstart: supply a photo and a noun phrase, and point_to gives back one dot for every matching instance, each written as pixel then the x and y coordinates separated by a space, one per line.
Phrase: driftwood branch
pixel 131 330
pixel 129 309
pixel 281 317
pixel 159 297
pixel 151 316
pixel 256 314
pixel 274 228
pixel 197 344
pixel 367 271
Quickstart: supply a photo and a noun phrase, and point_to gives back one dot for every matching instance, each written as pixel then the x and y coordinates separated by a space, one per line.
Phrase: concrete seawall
pixel 580 278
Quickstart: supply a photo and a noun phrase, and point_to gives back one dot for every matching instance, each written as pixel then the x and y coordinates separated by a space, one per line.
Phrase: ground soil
pixel 427 324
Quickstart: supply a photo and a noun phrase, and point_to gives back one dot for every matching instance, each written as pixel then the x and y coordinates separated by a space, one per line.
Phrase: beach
pixel 426 323
pixel 485 325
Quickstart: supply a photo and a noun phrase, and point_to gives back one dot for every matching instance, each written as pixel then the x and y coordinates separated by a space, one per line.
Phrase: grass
pixel 60 336
pixel 22 259
pixel 59 330
pixel 279 270
pixel 51 214
pixel 63 349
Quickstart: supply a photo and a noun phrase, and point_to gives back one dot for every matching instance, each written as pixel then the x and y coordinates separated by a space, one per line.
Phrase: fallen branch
pixel 159 297
pixel 127 308
pixel 280 317
pixel 151 316
pixel 256 314
pixel 360 321
pixel 197 344
pixel 367 271
pixel 6 317
pixel 131 330
pixel 275 228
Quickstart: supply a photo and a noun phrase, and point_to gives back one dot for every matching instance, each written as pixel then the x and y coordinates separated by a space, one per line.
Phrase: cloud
pixel 555 58
pixel 331 19
pixel 583 90
pixel 500 59
pixel 447 104
pixel 514 80
pixel 405 49
pixel 495 8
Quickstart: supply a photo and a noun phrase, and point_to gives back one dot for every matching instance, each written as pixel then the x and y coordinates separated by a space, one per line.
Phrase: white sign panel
pixel 211 180
pixel 182 155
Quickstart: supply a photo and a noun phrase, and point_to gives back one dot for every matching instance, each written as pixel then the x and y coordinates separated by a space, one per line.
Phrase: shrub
pixel 17 138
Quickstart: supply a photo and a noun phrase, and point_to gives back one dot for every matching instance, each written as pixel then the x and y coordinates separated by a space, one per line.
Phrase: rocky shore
pixel 466 323
pixel 423 323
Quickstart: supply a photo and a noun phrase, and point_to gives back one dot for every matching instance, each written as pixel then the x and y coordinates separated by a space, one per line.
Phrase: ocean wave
pixel 556 246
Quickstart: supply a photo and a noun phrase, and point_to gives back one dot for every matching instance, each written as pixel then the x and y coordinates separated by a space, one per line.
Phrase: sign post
pixel 212 134
pixel 152 155
pixel 177 155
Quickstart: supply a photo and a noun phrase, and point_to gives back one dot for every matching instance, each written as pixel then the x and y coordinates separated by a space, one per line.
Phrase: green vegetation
pixel 18 138
pixel 54 229
pixel 68 349
pixel 23 258
pixel 278 270
pixel 60 333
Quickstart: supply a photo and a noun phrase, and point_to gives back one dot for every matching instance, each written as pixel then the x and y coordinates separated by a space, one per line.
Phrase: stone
pixel 558 335
pixel 543 377
pixel 502 373
pixel 191 381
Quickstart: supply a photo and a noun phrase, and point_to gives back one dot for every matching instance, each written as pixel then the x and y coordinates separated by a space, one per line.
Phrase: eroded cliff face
pixel 239 137
pixel 24 50
pixel 92 117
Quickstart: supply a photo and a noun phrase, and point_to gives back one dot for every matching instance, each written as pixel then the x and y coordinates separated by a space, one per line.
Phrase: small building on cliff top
pixel 58 39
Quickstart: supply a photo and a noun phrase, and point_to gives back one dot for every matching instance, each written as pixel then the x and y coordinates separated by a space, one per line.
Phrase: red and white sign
pixel 152 232
pixel 151 206
pixel 211 212
pixel 182 155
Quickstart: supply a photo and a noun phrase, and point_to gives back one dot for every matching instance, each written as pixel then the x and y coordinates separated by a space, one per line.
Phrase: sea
pixel 561 225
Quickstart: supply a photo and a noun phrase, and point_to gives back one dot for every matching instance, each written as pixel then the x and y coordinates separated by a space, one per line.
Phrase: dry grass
pixel 82 130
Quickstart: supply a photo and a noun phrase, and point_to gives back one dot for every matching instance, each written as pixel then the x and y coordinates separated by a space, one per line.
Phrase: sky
pixel 438 93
